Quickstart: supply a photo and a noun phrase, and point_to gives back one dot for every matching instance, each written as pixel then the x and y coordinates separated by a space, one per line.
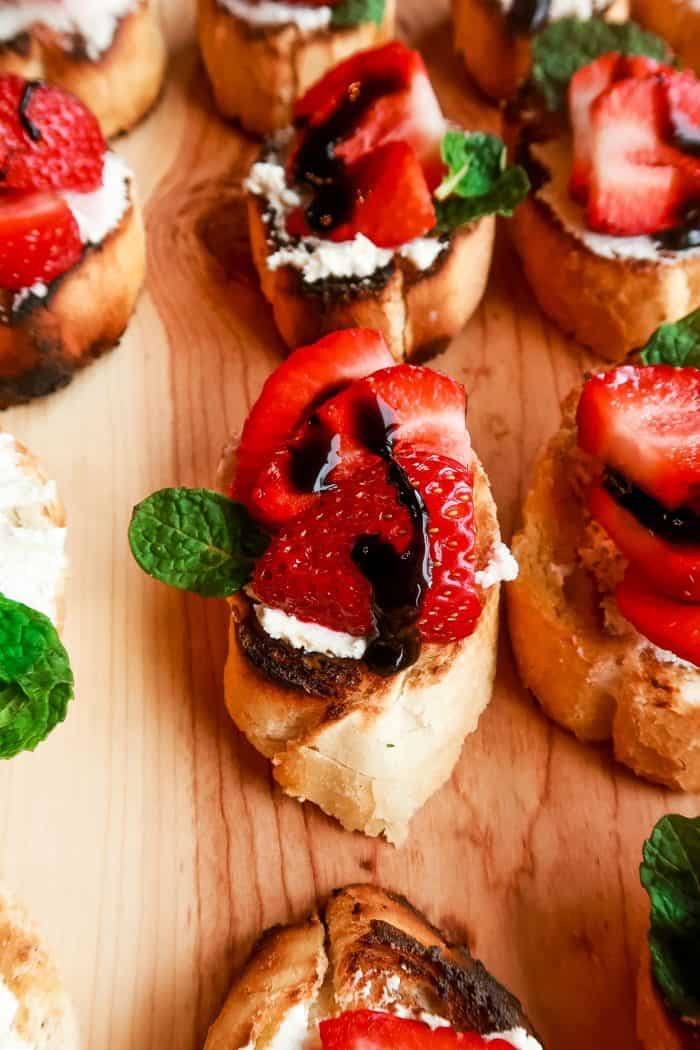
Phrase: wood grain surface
pixel 145 835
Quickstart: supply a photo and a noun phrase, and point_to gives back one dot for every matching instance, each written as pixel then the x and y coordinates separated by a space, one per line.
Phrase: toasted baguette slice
pixel 45 1018
pixel 120 87
pixel 368 750
pixel 497 58
pixel 86 311
pixel 257 72
pixel 657 1029
pixel 599 680
pixel 677 21
pixel 373 950
pixel 417 311
pixel 40 509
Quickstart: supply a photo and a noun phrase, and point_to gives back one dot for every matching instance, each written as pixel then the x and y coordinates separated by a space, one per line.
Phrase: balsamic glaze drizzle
pixel 27 94
pixel 314 459
pixel 316 165
pixel 399 581
pixel 681 525
pixel 527 16
pixel 682 237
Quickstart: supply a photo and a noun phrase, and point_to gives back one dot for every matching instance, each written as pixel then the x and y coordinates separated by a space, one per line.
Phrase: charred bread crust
pixel 417 311
pixel 257 72
pixel 45 1018
pixel 600 685
pixel 677 21
pixel 657 1029
pixel 332 749
pixel 498 57
pixel 378 936
pixel 86 311
pixel 120 87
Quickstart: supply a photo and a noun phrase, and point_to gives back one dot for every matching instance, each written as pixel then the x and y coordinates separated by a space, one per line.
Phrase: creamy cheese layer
pixel 555 156
pixel 501 568
pixel 270 13
pixel 95 21
pixel 32 548
pixel 311 637
pixel 318 259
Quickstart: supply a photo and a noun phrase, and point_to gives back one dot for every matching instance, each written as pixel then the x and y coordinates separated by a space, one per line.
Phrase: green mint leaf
pixel 565 46
pixel 670 872
pixel 354 12
pixel 35 699
pixel 505 195
pixel 675 344
pixel 474 163
pixel 196 540
pixel 24 635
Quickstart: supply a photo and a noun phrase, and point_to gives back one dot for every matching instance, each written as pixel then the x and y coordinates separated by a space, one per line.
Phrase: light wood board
pixel 145 835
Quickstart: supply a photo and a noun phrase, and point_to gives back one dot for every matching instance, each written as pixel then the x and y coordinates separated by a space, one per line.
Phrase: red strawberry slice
pixel 300 384
pixel 428 410
pixel 674 569
pixel 39 239
pixel 402 105
pixel 371 1030
pixel 308 571
pixel 49 139
pixel 584 88
pixel 645 422
pixel 393 204
pixel 674 626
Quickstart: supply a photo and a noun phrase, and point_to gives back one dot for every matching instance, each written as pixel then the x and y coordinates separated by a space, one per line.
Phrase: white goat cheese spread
pixel 309 636
pixel 316 258
pixel 555 156
pixel 269 13
pixel 95 22
pixel 32 548
pixel 9 1038
pixel 567 8
pixel 97 213
pixel 501 568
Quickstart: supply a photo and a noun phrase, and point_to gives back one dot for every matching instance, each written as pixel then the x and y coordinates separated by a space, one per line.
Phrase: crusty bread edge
pixel 45 1017
pixel 676 21
pixel 257 74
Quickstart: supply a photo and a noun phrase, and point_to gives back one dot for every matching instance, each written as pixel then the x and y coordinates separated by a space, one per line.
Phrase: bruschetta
pixel 609 238
pixel 605 614
pixel 261 55
pixel 111 54
pixel 362 642
pixel 374 211
pixel 72 243
pixel 371 973
pixel 677 21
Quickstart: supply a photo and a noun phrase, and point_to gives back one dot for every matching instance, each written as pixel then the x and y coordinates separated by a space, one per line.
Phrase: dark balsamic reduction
pixel 27 94
pixel 314 459
pixel 675 526
pixel 527 16
pixel 316 164
pixel 399 581
pixel 684 236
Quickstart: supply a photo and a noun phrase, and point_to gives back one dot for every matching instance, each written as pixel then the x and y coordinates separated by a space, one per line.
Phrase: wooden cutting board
pixel 145 835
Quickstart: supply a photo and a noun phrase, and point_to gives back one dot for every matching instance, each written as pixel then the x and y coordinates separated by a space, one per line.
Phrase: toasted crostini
pixel 373 973
pixel 677 21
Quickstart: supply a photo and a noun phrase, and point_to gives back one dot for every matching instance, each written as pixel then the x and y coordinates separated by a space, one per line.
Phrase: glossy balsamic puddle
pixel 527 16
pixel 316 165
pixel 680 526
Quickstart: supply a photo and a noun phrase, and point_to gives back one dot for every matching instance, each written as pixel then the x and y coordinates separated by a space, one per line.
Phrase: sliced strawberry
pixel 308 570
pixel 300 384
pixel 371 1030
pixel 393 204
pixel 645 422
pixel 428 411
pixel 584 88
pixel 39 239
pixel 674 569
pixel 671 625
pixel 50 139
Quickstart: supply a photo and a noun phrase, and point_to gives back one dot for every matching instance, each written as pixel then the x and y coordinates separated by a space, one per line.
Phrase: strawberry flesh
pixel 49 140
pixel 309 570
pixel 39 239
pixel 671 568
pixel 645 423
pixel 309 376
pixel 672 625
pixel 372 1030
